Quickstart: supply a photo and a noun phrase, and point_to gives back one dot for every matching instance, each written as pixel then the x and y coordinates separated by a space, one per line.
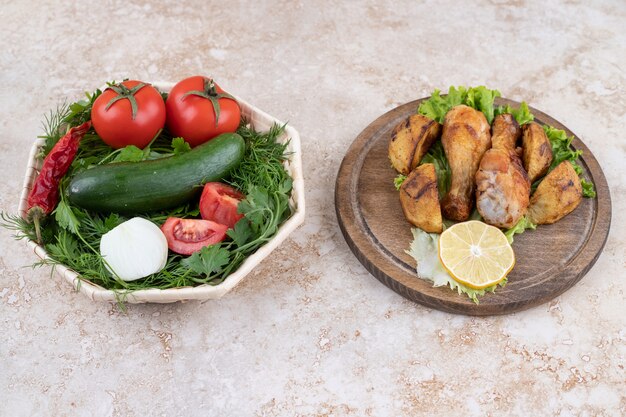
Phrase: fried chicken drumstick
pixel 502 185
pixel 465 138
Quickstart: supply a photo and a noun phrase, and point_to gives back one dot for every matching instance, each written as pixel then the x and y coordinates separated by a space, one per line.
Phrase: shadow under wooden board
pixel 549 260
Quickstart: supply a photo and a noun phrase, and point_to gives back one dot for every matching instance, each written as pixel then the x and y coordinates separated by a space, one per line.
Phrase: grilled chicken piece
pixel 465 140
pixel 502 185
pixel 505 132
pixel 537 151
pixel 419 198
pixel 557 195
pixel 502 188
pixel 410 140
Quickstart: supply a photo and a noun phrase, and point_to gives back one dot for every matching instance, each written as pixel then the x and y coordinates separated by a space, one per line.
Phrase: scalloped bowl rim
pixel 260 120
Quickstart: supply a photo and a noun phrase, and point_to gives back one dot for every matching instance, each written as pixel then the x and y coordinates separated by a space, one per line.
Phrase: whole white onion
pixel 134 249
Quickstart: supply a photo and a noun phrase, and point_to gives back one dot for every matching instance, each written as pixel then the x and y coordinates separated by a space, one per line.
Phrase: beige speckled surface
pixel 311 333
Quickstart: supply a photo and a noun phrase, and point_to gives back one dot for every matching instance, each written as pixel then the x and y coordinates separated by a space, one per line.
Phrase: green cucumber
pixel 138 187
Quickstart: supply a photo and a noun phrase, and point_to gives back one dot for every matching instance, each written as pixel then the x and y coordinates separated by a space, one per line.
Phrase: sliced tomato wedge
pixel 186 236
pixel 219 203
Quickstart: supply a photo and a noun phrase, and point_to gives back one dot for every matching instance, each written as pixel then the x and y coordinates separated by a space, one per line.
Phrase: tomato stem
pixel 210 93
pixel 125 93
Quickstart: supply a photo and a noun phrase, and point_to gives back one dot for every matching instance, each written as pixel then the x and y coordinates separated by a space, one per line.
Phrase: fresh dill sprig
pixel 58 121
pixel 262 164
pixel 22 228
pixel 52 127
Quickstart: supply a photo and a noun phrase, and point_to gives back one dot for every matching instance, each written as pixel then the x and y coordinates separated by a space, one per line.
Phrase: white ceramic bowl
pixel 262 122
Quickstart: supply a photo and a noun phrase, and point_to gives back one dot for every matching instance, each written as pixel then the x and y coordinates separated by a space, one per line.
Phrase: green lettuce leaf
pixel 480 98
pixel 457 95
pixel 522 114
pixel 436 106
pixel 520 227
pixel 561 146
pixel 562 151
pixel 588 189
pixel 437 157
pixel 424 250
pixel 397 181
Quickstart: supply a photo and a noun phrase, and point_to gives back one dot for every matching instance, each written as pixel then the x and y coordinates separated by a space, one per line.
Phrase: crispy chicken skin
pixel 410 140
pixel 505 132
pixel 502 185
pixel 465 138
pixel 502 188
pixel 419 198
pixel 537 151
pixel 557 195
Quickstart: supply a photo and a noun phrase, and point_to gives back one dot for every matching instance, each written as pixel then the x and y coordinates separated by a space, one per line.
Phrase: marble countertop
pixel 310 332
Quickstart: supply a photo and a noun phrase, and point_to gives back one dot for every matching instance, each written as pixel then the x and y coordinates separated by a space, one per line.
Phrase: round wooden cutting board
pixel 550 259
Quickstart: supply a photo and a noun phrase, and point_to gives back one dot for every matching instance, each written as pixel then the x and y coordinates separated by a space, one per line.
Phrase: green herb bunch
pixel 71 235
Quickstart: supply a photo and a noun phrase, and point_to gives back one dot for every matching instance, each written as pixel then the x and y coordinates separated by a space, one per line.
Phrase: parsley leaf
pixel 65 217
pixel 285 186
pixel 112 221
pixel 180 146
pixel 99 224
pixel 130 153
pixel 84 163
pixel 80 111
pixel 241 233
pixel 66 246
pixel 254 206
pixel 208 260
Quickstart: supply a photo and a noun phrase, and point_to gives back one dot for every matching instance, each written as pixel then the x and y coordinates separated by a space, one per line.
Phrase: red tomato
pixel 120 123
pixel 219 204
pixel 186 236
pixel 199 110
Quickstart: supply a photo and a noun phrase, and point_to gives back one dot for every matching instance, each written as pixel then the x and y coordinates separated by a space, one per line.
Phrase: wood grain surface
pixel 550 259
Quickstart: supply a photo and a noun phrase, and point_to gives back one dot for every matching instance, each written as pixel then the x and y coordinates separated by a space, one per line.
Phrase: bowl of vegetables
pixel 159 192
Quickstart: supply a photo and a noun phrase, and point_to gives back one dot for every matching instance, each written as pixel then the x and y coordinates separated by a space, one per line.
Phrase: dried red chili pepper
pixel 44 195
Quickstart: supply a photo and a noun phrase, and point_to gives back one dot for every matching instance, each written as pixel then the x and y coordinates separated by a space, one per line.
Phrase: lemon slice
pixel 476 254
